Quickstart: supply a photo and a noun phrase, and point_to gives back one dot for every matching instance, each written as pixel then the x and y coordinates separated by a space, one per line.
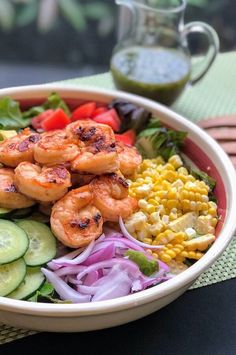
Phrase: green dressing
pixel 157 73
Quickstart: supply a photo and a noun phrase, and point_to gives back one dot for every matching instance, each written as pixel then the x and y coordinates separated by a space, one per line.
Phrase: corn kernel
pixel 165 219
pixel 186 205
pixel 150 208
pixel 199 243
pixel 171 253
pixel 190 178
pixel 162 194
pixel 190 232
pixel 143 234
pixel 214 222
pixel 172 193
pixel 203 191
pixel 198 196
pixel 147 240
pixel 176 161
pixel 170 175
pixel 184 195
pixel 154 217
pixel 153 202
pixel 165 257
pixel 156 228
pixel 195 255
pixel 169 166
pixel 183 171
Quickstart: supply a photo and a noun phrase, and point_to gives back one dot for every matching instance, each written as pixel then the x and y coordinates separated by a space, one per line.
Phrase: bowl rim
pixel 156 292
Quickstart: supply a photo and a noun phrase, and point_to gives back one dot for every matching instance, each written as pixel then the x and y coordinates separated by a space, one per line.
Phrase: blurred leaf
pixel 105 25
pixel 97 10
pixel 7 15
pixel 198 3
pixel 47 14
pixel 73 11
pixel 27 14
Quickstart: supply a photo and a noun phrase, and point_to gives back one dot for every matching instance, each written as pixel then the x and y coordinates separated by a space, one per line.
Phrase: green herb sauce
pixel 157 73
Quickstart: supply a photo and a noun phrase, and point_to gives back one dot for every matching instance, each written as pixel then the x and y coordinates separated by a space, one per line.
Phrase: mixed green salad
pixel 34 264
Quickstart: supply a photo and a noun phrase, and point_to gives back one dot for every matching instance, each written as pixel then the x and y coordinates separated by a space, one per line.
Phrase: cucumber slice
pixel 5 212
pixel 11 276
pixel 42 246
pixel 33 280
pixel 13 242
pixel 21 213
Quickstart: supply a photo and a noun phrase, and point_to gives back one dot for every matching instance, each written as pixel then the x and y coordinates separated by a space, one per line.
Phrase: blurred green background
pixel 57 39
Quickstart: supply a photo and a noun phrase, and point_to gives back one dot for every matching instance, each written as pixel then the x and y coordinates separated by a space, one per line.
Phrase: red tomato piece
pixel 109 118
pixel 99 110
pixel 36 122
pixel 83 111
pixel 129 137
pixel 57 120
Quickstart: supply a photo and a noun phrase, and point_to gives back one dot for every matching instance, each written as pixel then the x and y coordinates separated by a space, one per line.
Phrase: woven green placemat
pixel 213 96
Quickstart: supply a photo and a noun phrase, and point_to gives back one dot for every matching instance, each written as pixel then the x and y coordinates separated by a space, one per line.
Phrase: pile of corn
pixel 174 210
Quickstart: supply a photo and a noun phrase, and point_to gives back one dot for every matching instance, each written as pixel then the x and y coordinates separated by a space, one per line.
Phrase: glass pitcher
pixel 153 59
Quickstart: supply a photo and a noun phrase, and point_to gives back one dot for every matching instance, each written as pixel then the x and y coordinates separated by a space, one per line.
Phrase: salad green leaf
pixel 147 266
pixel 158 140
pixel 201 175
pixel 10 115
pixel 53 101
pixel 46 291
pixel 132 116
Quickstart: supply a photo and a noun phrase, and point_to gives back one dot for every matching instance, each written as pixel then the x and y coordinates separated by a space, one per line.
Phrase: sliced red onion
pixel 87 290
pixel 104 244
pixel 70 255
pixel 116 284
pixel 79 259
pixel 56 264
pixel 128 243
pixel 73 280
pixel 151 282
pixel 101 255
pixel 76 256
pixel 130 266
pixel 136 286
pixel 70 270
pixel 129 236
pixel 91 278
pixel 53 266
pixel 64 291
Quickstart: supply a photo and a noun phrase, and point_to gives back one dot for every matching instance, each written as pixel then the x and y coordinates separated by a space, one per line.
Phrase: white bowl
pixel 203 151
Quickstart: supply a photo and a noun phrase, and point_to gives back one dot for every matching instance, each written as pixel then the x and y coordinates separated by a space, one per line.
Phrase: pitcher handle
pixel 213 47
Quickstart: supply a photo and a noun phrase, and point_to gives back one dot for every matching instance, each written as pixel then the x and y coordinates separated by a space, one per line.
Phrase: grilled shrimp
pixel 18 148
pixel 42 184
pixel 98 150
pixel 9 195
pixel 111 197
pixel 79 180
pixel 75 220
pixel 55 148
pixel 129 158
